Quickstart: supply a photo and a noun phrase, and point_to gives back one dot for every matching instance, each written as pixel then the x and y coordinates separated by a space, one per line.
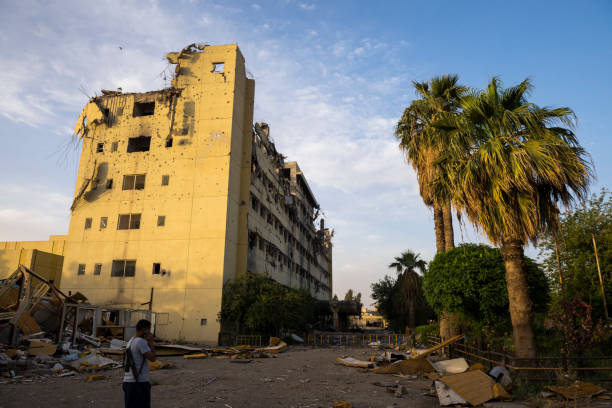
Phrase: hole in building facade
pixel 165 180
pixel 87 223
pixel 144 108
pixel 100 148
pixel 161 220
pixel 156 268
pixel 169 142
pixel 139 144
pixel 218 67
pixel 97 269
pixel 81 269
pixel 109 184
pixel 203 322
pixel 114 146
pixel 103 222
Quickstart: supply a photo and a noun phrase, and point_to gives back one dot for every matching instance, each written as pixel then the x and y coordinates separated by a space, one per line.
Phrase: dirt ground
pixel 300 377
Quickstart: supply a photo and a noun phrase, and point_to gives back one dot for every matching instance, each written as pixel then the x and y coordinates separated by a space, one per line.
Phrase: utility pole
pixel 603 291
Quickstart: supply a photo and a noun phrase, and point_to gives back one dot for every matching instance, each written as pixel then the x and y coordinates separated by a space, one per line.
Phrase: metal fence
pixel 338 339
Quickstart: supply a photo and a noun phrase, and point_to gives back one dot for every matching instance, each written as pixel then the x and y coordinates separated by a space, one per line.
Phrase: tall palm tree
pixel 423 145
pixel 510 163
pixel 406 266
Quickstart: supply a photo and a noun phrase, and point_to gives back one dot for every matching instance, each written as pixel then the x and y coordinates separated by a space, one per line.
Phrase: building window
pixel 203 322
pixel 100 148
pixel 109 184
pixel 97 269
pixel 81 270
pixel 156 268
pixel 123 268
pixel 114 146
pixel 144 108
pixel 134 182
pixel 103 222
pixel 128 221
pixel 161 220
pixel 87 223
pixel 169 142
pixel 139 144
pixel 218 67
pixel 165 180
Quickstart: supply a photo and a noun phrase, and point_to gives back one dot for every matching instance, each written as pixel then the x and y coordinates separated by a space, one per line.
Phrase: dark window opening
pixel 134 182
pixel 139 144
pixel 156 268
pixel 144 108
pixel 128 221
pixel 203 322
pixel 169 142
pixel 100 148
pixel 218 67
pixel 103 222
pixel 87 223
pixel 114 146
pixel 123 268
pixel 81 270
pixel 109 184
pixel 165 180
pixel 161 220
pixel 97 269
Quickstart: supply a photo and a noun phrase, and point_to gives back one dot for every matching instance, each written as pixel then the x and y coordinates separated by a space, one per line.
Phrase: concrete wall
pixel 46 264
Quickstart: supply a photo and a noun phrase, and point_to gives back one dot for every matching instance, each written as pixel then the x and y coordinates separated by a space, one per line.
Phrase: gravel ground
pixel 300 377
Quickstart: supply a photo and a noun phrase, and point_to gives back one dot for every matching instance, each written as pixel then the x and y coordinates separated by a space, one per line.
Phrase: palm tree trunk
pixel 518 297
pixel 439 227
pixel 449 233
pixel 411 315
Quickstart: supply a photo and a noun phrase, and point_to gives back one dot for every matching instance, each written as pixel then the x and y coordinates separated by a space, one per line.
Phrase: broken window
pixel 261 243
pixel 156 268
pixel 100 148
pixel 161 220
pixel 114 146
pixel 144 108
pixel 97 269
pixel 87 223
pixel 81 269
pixel 169 142
pixel 128 221
pixel 134 182
pixel 103 222
pixel 218 67
pixel 203 322
pixel 139 144
pixel 165 180
pixel 109 184
pixel 123 268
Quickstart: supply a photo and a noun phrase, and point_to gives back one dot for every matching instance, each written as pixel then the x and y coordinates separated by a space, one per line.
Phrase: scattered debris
pixel 342 404
pixel 448 396
pixel 353 362
pixel 435 348
pixel 416 366
pixel 475 386
pixel 159 365
pixel 95 377
pixel 578 389
pixel 448 367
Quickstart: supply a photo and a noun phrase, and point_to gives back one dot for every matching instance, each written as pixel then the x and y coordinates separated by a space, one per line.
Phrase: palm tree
pixel 406 266
pixel 509 164
pixel 423 145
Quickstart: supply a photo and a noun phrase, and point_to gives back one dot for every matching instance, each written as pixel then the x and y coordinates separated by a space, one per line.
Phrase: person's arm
pixel 150 355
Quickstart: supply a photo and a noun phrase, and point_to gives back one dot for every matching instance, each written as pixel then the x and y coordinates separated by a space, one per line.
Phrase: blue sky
pixel 332 79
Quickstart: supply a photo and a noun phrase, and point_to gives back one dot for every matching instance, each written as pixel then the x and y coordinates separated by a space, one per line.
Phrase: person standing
pixel 136 386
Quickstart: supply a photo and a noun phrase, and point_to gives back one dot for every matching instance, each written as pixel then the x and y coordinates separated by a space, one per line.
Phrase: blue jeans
pixel 137 394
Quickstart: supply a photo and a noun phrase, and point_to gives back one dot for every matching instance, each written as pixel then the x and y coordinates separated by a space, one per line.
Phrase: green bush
pixel 256 304
pixel 422 333
pixel 471 280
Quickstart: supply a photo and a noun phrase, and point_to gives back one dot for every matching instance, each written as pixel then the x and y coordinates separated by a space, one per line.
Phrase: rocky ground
pixel 301 377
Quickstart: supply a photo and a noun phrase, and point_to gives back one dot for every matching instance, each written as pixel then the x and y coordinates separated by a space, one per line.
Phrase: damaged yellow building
pixel 177 191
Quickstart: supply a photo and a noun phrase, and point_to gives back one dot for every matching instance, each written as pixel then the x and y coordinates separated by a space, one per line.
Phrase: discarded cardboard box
pixel 41 347
pixel 353 362
pixel 448 396
pixel 476 387
pixel 578 389
pixel 413 366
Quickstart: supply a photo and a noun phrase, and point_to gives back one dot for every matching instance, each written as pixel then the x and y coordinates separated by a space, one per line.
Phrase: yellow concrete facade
pixel 163 194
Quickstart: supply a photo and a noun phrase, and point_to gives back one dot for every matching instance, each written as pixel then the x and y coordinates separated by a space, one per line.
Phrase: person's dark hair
pixel 143 324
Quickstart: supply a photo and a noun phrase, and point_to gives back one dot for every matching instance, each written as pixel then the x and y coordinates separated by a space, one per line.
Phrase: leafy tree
pixel 577 255
pixel 255 303
pixel 335 298
pixel 349 295
pixel 470 280
pixel 509 164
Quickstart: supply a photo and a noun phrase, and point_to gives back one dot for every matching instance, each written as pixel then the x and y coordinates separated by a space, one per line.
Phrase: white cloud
pixel 256 6
pixel 308 6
